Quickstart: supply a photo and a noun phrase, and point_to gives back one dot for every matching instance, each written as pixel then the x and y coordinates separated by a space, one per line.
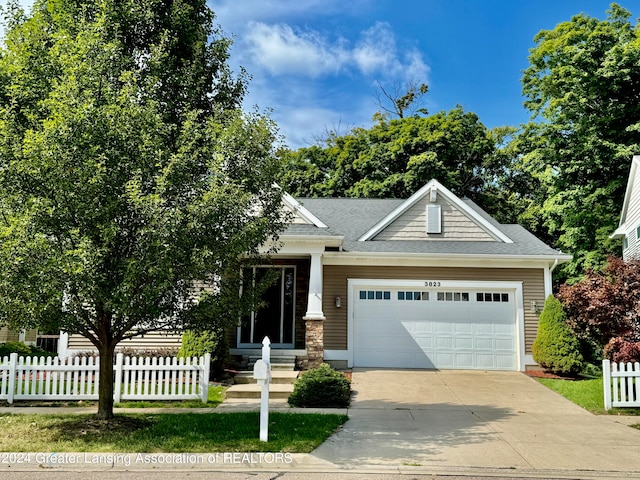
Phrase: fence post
pixel 118 373
pixel 204 377
pixel 13 361
pixel 606 382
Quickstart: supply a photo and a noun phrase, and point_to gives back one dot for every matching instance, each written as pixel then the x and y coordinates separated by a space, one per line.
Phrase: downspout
pixel 555 264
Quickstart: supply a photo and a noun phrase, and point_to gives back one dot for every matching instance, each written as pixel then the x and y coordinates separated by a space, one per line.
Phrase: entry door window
pixel 276 316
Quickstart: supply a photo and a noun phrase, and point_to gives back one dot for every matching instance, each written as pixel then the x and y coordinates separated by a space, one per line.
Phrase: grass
pixel 188 432
pixel 588 393
pixel 215 398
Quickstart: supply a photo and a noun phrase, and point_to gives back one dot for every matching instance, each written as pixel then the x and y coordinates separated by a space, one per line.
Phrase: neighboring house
pixel 24 336
pixel 629 226
pixel 427 282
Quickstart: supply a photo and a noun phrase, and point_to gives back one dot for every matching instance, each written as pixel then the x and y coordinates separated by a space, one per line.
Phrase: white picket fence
pixel 136 378
pixel 621 384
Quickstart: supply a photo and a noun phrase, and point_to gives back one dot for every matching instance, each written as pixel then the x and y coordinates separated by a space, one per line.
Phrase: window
pixel 625 242
pixel 492 297
pixel 413 296
pixel 453 296
pixel 374 295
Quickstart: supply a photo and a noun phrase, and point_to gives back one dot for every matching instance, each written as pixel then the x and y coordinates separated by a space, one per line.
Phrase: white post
pixel 204 377
pixel 117 370
pixel 63 345
pixel 262 374
pixel 314 305
pixel 13 360
pixel 606 382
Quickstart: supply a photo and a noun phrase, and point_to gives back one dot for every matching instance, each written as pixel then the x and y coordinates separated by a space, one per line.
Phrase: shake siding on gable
pixel 455 225
pixel 633 220
pixel 335 285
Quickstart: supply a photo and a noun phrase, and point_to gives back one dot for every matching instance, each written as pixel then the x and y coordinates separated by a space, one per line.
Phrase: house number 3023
pixel 432 284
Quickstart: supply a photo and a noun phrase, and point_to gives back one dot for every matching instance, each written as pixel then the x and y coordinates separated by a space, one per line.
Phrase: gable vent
pixel 434 218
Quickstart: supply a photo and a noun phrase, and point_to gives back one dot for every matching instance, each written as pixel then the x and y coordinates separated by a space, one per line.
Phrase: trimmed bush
pixel 196 344
pixel 321 387
pixel 556 349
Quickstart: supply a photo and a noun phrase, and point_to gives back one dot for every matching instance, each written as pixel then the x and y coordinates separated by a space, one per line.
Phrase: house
pixel 629 225
pixel 431 281
pixel 27 337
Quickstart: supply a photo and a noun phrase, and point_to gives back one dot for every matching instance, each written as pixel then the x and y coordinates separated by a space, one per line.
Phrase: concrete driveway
pixel 452 420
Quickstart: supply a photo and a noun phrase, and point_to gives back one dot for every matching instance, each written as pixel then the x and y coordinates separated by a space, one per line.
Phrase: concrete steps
pixel 283 376
pixel 253 391
pixel 277 377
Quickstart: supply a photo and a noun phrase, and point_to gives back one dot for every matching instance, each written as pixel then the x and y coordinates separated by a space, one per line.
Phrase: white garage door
pixel 409 327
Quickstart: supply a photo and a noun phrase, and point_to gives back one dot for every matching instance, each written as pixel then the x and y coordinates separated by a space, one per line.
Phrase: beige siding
pixel 411 225
pixel 31 336
pixel 335 285
pixel 148 341
pixel 7 335
pixel 632 220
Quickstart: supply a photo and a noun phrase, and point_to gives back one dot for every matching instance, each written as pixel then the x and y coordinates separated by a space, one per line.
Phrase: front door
pixel 276 318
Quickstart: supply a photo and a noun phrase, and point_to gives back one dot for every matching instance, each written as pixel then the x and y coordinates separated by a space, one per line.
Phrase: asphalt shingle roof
pixel 353 217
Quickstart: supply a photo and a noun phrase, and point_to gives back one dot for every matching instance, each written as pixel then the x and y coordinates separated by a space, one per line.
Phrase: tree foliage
pixel 555 348
pixel 395 158
pixel 128 174
pixel 605 304
pixel 583 89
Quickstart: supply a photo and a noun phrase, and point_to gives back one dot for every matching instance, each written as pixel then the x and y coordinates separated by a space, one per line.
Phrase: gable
pixel 419 219
pixel 301 216
pixel 458 221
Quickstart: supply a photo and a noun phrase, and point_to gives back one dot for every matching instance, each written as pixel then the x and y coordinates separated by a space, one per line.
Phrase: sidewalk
pixel 428 422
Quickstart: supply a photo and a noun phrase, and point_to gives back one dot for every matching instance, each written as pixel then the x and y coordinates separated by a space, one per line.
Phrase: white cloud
pixel 281 50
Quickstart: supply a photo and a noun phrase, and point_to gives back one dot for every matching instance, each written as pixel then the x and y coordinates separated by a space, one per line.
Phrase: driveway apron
pixel 472 419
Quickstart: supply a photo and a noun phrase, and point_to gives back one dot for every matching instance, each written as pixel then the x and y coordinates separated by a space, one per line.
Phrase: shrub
pixel 620 350
pixel 21 349
pixel 603 305
pixel 321 387
pixel 196 344
pixel 161 352
pixel 555 348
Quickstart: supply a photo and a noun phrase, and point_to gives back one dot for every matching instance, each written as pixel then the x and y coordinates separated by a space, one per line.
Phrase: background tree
pixel 583 89
pixel 397 157
pixel 128 174
pixel 401 100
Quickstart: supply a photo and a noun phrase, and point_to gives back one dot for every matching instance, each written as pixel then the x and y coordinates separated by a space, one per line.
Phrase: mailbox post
pixel 262 374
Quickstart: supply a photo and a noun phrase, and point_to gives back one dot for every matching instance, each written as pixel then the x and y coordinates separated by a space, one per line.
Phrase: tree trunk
pixel 105 391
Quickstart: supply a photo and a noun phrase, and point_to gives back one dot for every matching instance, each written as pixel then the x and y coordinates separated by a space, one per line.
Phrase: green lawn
pixel 588 393
pixel 188 432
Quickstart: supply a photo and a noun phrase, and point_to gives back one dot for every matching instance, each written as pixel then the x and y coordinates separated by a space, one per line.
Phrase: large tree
pixel 396 157
pixel 583 89
pixel 128 173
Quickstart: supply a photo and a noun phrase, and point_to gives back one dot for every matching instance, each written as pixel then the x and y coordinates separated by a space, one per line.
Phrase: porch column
pixel 314 317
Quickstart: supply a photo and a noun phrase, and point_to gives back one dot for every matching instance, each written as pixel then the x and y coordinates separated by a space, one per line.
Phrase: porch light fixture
pixel 338 302
pixel 534 306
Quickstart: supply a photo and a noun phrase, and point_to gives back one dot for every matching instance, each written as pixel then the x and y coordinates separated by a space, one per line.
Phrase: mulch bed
pixel 543 374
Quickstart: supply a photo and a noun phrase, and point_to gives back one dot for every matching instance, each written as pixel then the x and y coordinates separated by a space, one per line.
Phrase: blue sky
pixel 315 63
